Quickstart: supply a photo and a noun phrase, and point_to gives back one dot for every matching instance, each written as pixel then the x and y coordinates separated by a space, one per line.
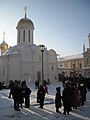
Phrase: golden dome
pixel 25 22
pixel 3 46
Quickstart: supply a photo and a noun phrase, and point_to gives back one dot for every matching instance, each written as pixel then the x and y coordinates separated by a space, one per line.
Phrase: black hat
pixel 58 88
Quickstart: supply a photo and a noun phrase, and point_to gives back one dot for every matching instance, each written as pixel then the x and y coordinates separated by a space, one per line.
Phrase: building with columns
pixel 24 60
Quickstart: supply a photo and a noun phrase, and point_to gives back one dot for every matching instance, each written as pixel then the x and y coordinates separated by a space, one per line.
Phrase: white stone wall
pixel 14 67
pixel 3 69
pixel 27 64
pixel 52 66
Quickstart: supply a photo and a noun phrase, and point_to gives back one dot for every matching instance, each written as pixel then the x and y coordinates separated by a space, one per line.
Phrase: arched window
pixel 29 35
pixel 80 65
pixel 19 37
pixel 52 68
pixel 23 35
pixel 32 36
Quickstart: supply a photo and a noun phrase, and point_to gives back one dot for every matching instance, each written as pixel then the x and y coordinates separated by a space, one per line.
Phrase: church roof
pixel 25 22
pixel 15 49
pixel 10 51
pixel 71 57
pixel 3 46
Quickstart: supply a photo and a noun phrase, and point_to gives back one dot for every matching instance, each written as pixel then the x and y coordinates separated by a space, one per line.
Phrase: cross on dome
pixel 25 11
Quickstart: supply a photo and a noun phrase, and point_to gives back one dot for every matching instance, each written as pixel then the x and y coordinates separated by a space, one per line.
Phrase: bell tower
pixel 83 48
pixel 25 28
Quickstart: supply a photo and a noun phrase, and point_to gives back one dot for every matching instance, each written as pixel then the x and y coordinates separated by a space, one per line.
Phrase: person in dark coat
pixel 75 96
pixel 36 84
pixel 21 97
pixel 16 96
pixel 11 86
pixel 27 96
pixel 67 97
pixel 58 97
pixel 83 92
pixel 41 96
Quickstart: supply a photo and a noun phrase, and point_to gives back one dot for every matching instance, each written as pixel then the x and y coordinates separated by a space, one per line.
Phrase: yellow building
pixel 70 66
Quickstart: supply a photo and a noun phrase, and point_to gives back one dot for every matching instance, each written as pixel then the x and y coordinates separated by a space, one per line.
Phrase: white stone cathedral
pixel 24 60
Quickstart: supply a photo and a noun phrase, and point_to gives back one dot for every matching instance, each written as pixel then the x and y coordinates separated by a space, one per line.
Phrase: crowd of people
pixel 72 96
pixel 20 94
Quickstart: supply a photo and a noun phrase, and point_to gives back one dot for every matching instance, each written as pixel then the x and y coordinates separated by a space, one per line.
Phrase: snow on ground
pixel 7 111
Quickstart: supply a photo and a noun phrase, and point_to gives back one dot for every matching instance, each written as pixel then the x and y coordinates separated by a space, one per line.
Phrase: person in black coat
pixel 21 97
pixel 11 86
pixel 58 97
pixel 67 97
pixel 41 96
pixel 16 96
pixel 83 92
pixel 27 96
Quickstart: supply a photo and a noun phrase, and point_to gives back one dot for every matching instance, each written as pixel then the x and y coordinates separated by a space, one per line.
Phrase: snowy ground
pixel 7 111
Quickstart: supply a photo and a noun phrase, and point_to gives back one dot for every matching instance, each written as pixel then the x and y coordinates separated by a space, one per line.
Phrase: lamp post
pixel 42 50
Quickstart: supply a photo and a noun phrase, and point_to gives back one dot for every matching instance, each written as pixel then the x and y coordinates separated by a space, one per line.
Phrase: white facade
pixel 24 60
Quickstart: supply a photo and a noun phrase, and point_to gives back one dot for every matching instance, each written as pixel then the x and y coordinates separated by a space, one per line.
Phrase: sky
pixel 62 25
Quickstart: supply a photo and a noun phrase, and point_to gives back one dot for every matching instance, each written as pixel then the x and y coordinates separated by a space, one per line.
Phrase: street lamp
pixel 42 50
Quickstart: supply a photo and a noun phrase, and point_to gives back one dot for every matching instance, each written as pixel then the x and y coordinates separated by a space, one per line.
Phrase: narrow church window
pixel 19 37
pixel 24 36
pixel 52 68
pixel 80 65
pixel 60 65
pixel 32 36
pixel 29 35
